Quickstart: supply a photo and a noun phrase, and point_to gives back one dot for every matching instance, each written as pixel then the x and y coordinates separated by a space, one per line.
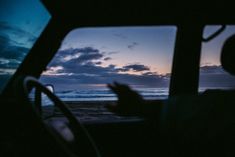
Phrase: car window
pixel 21 23
pixel 212 75
pixel 89 58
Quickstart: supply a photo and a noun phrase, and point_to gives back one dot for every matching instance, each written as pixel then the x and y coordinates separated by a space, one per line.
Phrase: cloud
pixel 107 58
pixel 211 69
pixel 4 41
pixel 10 51
pixel 134 67
pixel 119 35
pixel 112 52
pixel 81 62
pixel 73 81
pixel 215 76
pixel 150 73
pixel 72 51
pixel 98 63
pixel 84 66
pixel 10 54
pixel 132 45
pixel 18 33
pixel 84 58
pixel 9 63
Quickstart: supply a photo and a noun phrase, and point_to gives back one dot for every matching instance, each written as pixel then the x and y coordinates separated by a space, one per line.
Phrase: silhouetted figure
pixel 131 103
pixel 191 125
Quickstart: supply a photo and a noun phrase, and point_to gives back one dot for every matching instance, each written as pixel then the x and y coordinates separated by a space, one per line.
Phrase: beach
pixel 89 112
pixel 89 105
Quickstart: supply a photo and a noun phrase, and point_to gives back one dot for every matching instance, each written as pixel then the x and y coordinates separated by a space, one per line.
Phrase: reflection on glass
pixel 21 23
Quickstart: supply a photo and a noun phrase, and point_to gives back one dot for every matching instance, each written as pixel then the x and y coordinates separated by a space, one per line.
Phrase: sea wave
pixel 106 94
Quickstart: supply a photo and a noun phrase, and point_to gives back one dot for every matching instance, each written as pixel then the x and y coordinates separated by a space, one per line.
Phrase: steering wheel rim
pixel 76 126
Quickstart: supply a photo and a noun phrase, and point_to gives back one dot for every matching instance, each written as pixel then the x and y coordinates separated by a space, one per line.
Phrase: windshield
pixel 21 23
pixel 212 74
pixel 89 58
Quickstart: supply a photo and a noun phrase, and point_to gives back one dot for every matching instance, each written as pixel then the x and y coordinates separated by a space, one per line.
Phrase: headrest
pixel 228 55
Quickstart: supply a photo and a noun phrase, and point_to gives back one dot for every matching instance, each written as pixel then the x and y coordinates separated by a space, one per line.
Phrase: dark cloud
pixel 93 73
pixel 6 28
pixel 4 41
pixel 215 76
pixel 149 73
pixel 84 58
pixel 84 70
pixel 10 54
pixel 98 63
pixel 75 51
pixel 9 63
pixel 82 65
pixel 76 57
pixel 83 78
pixel 212 69
pixel 107 58
pixel 134 67
pixel 11 51
pixel 132 45
pixel 112 52
pixel 119 35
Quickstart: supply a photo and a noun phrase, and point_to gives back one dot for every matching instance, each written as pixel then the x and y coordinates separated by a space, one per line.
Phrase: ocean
pixel 107 95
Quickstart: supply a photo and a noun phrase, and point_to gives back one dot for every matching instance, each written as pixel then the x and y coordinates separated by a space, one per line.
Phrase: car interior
pixel 189 124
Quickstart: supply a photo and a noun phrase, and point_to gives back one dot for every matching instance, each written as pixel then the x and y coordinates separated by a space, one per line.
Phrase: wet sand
pixel 89 112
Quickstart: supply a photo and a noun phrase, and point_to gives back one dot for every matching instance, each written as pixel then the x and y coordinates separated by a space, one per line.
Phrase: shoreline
pixel 90 112
pixel 88 104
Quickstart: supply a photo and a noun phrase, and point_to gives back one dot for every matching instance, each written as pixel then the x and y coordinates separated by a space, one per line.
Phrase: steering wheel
pixel 72 135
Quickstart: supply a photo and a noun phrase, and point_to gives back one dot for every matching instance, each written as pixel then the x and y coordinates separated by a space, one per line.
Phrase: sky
pixel 149 45
pixel 138 56
pixel 93 57
pixel 28 15
pixel 21 23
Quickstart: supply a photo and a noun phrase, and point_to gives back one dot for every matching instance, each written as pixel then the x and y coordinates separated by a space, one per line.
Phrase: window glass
pixel 21 23
pixel 89 58
pixel 212 75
